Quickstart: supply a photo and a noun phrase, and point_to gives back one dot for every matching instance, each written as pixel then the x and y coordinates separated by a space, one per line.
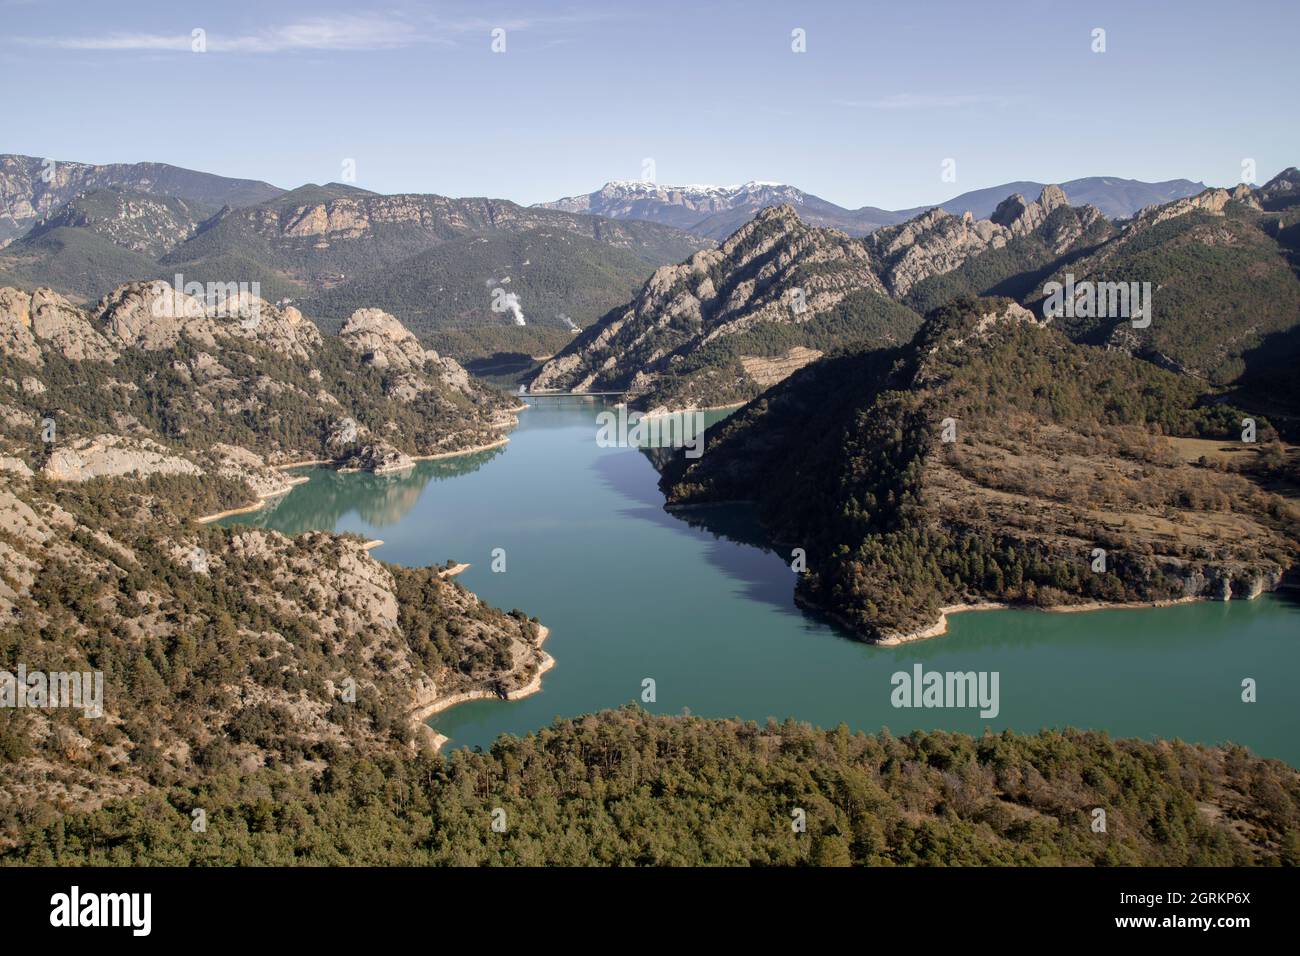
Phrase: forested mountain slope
pixel 986 461
pixel 625 788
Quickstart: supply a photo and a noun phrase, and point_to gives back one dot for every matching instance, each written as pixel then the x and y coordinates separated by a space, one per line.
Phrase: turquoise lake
pixel 700 606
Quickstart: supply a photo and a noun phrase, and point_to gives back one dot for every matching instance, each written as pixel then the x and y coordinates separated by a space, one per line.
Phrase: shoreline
pixel 701 408
pixel 627 400
pixel 261 501
pixel 464 451
pixel 257 505
pixel 422 712
pixel 940 627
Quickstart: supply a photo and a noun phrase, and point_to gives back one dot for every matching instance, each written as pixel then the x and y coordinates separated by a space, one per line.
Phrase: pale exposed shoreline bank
pixel 659 412
pixel 257 505
pixel 465 451
pixel 686 411
pixel 940 627
pixel 422 712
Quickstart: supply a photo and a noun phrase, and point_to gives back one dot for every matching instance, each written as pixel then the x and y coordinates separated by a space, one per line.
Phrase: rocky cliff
pixel 33 188
pixel 696 331
pixel 774 270
pixel 151 377
pixel 145 224
pixel 219 650
pixel 1224 291
pixel 937 242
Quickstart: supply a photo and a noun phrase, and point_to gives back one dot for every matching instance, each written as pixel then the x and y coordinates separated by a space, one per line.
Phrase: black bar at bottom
pixel 332 906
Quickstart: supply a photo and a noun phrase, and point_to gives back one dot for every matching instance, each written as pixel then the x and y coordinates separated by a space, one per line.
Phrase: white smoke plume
pixel 512 303
pixel 503 301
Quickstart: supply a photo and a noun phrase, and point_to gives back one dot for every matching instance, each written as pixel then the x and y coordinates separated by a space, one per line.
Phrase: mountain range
pixel 32 188
pixel 730 322
pixel 82 229
pixel 718 211
pixel 334 248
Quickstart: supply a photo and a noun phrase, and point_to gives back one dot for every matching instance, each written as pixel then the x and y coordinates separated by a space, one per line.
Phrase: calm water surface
pixel 704 609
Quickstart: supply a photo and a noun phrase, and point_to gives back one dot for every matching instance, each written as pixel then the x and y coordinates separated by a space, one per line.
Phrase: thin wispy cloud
pixel 348 32
pixel 340 33
pixel 925 101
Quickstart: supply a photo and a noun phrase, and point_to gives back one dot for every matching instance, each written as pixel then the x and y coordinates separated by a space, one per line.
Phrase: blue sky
pixel 584 92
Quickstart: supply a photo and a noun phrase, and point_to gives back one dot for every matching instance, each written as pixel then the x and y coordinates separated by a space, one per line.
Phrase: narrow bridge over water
pixel 557 394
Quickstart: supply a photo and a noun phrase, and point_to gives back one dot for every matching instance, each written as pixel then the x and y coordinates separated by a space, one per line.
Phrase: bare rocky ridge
pixel 31 323
pixel 1282 191
pixel 382 342
pixel 219 376
pixel 32 188
pixel 360 214
pixel 745 283
pixel 938 242
pixel 758 275
pixel 151 226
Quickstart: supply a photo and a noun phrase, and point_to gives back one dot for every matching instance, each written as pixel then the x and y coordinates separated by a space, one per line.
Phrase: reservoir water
pixel 700 606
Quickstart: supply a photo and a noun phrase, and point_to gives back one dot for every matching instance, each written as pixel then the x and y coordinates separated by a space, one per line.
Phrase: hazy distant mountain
pixel 317 238
pixel 1115 198
pixel 32 188
pixel 718 211
pixel 151 225
pixel 435 261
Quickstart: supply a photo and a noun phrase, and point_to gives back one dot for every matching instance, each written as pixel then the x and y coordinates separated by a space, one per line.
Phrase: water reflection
pixel 380 500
